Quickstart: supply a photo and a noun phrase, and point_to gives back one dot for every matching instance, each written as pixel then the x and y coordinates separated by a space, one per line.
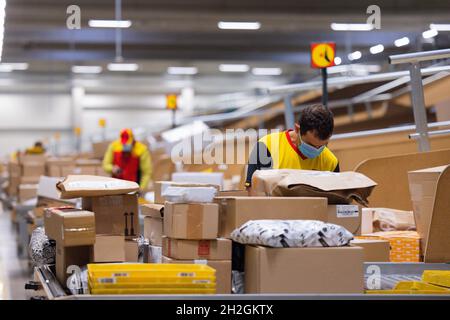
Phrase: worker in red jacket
pixel 128 159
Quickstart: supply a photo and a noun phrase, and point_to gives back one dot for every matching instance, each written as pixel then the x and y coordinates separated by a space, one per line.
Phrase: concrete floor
pixel 14 272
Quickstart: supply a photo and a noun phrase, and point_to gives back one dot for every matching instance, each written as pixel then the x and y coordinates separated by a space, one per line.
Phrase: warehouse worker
pixel 303 148
pixel 128 159
pixel 38 148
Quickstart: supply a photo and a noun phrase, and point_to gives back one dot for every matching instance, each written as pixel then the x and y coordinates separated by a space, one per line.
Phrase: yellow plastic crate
pixel 412 287
pixel 132 276
pixel 153 291
pixel 437 277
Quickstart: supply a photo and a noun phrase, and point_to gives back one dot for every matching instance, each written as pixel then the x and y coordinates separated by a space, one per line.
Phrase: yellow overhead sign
pixel 171 101
pixel 102 123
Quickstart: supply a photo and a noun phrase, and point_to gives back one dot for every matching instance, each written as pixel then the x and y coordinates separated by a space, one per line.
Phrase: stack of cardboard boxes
pixel 25 171
pixel 292 270
pixel 104 230
pixel 62 167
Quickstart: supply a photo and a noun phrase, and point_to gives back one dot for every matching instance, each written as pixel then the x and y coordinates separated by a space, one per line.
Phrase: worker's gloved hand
pixel 116 170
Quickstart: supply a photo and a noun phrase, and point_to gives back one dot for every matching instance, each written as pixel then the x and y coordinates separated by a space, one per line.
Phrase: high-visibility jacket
pixel 136 165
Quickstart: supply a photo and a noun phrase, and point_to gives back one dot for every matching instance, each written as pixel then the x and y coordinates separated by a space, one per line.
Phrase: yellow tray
pixel 412 287
pixel 153 291
pixel 151 271
pixel 437 277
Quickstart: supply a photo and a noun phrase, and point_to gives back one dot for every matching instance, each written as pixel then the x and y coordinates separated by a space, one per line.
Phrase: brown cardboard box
pixel 223 272
pixel 193 221
pixel 75 186
pixel 55 166
pixel 70 256
pixel 131 251
pixel 109 248
pixel 235 211
pixel 29 180
pixel 100 172
pixel 70 227
pixel 374 250
pixel 422 187
pixel 346 215
pixel 153 210
pixel 32 159
pixel 43 203
pixel 33 169
pixel 68 170
pixel 14 169
pixel 153 230
pixel 233 193
pixel 99 149
pixel 111 213
pixel 27 192
pixel 304 270
pixel 219 249
pixel 159 187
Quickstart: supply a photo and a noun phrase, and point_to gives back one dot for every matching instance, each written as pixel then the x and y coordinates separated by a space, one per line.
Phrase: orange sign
pixel 77 131
pixel 171 101
pixel 322 54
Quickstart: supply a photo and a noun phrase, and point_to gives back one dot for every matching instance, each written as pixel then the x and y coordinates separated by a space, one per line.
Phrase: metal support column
pixel 288 112
pixel 418 104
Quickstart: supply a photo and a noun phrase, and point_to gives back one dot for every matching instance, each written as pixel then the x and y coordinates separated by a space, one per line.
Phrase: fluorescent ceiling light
pixel 351 27
pixel 355 55
pixel 440 27
pixel 401 42
pixel 9 67
pixel 182 70
pixel 376 49
pixel 109 23
pixel 122 67
pixel 224 25
pixel 337 61
pixel 2 25
pixel 86 69
pixel 234 67
pixel 267 71
pixel 430 33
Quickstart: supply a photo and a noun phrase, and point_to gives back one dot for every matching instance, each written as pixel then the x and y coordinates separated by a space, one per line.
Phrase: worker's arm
pixel 259 158
pixel 108 159
pixel 145 166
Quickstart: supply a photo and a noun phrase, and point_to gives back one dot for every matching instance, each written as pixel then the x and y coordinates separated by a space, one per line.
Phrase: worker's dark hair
pixel 38 144
pixel 316 118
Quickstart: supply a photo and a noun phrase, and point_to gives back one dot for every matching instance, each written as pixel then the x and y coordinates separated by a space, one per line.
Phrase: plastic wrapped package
pixel 237 282
pixel 386 219
pixel 142 243
pixel 42 250
pixel 155 254
pixel 189 194
pixel 292 233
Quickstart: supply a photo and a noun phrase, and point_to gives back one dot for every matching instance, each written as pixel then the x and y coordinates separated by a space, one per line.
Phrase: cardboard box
pixel 75 186
pixel 26 159
pixel 304 270
pixel 233 193
pixel 68 170
pixel 154 230
pixel 27 192
pixel 70 256
pixel 219 249
pixel 44 203
pixel 405 245
pixel 374 250
pixel 366 220
pixel 115 215
pixel 33 169
pixel 131 251
pixel 70 227
pixel 422 187
pixel 223 272
pixel 215 178
pixel 194 221
pixel 55 166
pixel 109 248
pixel 99 149
pixel 14 169
pixel 29 180
pixel 160 186
pixel 235 211
pixel 346 215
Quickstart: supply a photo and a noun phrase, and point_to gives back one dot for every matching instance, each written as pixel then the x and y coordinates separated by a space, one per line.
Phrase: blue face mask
pixel 127 148
pixel 309 151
